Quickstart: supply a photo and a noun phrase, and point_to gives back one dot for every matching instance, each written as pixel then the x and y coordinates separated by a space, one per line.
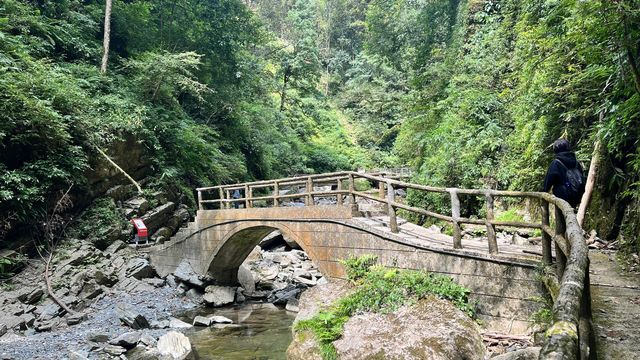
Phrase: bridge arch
pixel 238 243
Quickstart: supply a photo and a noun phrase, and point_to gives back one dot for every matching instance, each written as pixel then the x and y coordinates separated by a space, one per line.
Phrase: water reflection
pixel 259 332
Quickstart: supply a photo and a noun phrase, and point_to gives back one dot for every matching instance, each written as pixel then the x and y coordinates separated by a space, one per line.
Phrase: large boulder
pixel 246 280
pixel 185 273
pixel 139 269
pixel 174 345
pixel 451 334
pixel 219 295
pixel 155 218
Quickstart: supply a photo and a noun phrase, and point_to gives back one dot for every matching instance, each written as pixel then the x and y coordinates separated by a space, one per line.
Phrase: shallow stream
pixel 259 332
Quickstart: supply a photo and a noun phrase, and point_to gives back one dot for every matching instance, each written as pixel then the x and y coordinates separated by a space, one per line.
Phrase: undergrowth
pixel 381 290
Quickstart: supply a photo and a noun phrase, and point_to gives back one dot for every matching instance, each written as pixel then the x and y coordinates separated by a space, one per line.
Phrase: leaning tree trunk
pixel 591 180
pixel 107 36
pixel 120 169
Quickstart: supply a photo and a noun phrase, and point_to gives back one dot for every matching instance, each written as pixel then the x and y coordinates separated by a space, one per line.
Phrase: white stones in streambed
pixel 210 320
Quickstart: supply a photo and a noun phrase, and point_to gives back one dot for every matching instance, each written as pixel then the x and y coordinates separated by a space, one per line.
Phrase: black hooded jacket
pixel 557 177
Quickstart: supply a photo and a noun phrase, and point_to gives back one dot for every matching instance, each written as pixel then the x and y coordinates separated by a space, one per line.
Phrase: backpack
pixel 574 181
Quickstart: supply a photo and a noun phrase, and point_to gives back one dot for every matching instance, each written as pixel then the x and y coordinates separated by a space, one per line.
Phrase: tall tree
pixel 107 36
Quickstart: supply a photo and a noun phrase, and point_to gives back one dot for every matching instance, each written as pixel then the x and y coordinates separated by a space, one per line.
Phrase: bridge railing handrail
pixel 570 334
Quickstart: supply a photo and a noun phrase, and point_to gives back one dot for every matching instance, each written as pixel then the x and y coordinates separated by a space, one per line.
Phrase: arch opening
pixel 225 262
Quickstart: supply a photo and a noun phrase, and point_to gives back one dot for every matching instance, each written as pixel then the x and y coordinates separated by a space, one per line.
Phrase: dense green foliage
pixel 381 290
pixel 198 83
pixel 469 92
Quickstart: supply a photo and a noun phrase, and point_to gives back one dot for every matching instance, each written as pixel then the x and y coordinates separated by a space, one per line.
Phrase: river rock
pixel 30 296
pixel 292 305
pixel 194 295
pixel 28 319
pixel 49 311
pixel 105 277
pixel 174 345
pixel 530 353
pixel 164 232
pixel 184 272
pixel 158 216
pixel 282 296
pixel 178 324
pixel 254 256
pixel 78 355
pixel 115 247
pixel 451 334
pixel 210 320
pixel 114 350
pixel 268 271
pixel 155 282
pixel 130 317
pixel 139 269
pixel 139 204
pixel 246 280
pixel 128 340
pixel 76 318
pixel 219 295
pixel 3 329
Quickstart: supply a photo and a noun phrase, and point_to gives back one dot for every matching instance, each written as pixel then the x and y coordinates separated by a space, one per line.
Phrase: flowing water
pixel 259 332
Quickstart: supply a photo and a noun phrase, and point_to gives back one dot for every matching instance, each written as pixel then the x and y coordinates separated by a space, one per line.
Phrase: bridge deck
pixel 615 297
pixel 415 233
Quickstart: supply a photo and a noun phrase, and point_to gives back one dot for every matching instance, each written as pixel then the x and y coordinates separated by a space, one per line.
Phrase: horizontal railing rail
pixel 569 337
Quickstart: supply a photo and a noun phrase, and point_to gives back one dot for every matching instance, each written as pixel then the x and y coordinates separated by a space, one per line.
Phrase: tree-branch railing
pixel 569 336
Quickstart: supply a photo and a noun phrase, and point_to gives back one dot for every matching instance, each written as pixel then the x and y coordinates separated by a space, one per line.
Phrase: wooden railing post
pixel 561 258
pixel 309 198
pixel 455 216
pixel 228 205
pixel 221 195
pixel 491 229
pixel 339 196
pixel 246 197
pixel 200 207
pixel 351 196
pixel 276 194
pixel 391 198
pixel 248 192
pixel 546 238
pixel 381 188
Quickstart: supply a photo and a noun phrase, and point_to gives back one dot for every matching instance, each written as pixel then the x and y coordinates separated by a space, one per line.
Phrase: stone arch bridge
pixel 337 215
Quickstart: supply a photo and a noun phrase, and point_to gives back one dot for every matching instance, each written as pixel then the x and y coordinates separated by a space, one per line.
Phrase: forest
pixel 468 93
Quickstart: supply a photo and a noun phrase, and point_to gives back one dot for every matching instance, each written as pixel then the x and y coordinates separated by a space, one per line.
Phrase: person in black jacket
pixel 565 187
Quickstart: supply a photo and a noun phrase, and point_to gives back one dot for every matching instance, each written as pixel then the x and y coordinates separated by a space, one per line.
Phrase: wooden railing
pixel 569 337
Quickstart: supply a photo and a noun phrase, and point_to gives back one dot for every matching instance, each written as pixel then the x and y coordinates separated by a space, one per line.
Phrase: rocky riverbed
pixel 121 307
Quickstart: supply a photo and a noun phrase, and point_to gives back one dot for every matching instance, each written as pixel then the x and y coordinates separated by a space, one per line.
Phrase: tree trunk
pixel 283 94
pixel 120 169
pixel 107 36
pixel 591 180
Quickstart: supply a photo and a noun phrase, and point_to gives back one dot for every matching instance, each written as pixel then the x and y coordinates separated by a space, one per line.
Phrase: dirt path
pixel 616 307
